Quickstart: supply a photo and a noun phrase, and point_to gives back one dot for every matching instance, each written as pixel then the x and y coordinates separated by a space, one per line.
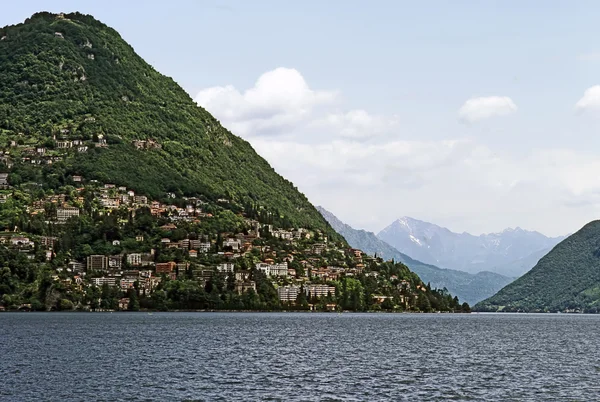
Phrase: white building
pixel 283 234
pixel 101 281
pixel 64 213
pixel 134 259
pixel 127 283
pixel 288 293
pixel 235 244
pixel 225 267
pixel 319 290
pixel 280 269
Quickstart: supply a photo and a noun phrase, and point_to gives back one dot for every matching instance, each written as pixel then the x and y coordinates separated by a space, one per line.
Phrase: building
pixel 280 269
pixel 200 246
pixel 101 281
pixel 66 212
pixel 318 290
pixel 318 248
pixel 115 261
pixel 134 259
pixel 282 234
pixel 127 283
pixel 288 293
pixel 242 276
pixel 75 266
pixel 110 203
pixel 193 254
pixel 3 180
pixel 124 303
pixel 48 241
pixel 140 199
pixel 165 267
pixel 97 263
pixel 235 244
pixel 225 267
pixel 21 241
pixel 244 286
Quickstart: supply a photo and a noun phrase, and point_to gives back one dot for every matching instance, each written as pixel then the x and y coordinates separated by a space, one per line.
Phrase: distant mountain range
pixel 468 287
pixel 567 279
pixel 511 252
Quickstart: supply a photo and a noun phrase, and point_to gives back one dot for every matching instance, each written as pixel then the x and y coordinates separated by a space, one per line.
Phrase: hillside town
pixel 146 246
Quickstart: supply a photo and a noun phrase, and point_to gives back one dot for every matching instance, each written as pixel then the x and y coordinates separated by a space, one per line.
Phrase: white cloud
pixel 448 182
pixel 476 109
pixel 591 56
pixel 367 170
pixel 358 124
pixel 281 103
pixel 590 100
pixel 278 100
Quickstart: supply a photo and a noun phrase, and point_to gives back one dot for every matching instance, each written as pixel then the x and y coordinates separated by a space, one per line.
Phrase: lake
pixel 297 356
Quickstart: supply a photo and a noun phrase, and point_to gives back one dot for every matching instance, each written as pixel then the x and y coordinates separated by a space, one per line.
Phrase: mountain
pixel 117 192
pixel 565 279
pixel 468 287
pixel 497 252
pixel 69 82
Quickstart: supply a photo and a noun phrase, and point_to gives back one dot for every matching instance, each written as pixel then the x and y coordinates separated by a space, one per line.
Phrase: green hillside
pixel 566 279
pixel 69 82
pixel 117 192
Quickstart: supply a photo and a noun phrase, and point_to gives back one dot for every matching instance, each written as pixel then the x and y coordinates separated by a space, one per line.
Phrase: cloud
pixel 592 56
pixel 358 124
pixel 278 100
pixel 368 169
pixel 281 103
pixel 482 108
pixel 590 100
pixel 447 182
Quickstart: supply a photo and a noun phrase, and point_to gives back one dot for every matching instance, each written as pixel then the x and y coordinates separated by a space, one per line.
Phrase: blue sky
pixel 473 115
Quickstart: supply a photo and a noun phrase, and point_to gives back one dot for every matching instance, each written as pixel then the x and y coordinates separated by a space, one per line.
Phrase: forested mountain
pixel 117 192
pixel 507 253
pixel 469 287
pixel 565 279
pixel 69 77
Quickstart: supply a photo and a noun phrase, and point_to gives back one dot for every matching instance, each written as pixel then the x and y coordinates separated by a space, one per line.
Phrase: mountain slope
pixel 567 278
pixel 71 81
pixel 468 287
pixel 497 252
pixel 522 265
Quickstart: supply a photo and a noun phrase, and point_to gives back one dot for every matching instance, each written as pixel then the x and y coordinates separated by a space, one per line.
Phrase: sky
pixel 476 116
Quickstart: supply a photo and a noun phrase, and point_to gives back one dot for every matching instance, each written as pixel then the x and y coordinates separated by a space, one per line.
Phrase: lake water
pixel 291 356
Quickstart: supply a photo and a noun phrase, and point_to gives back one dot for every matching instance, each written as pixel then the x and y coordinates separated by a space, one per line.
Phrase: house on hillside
pixel 3 180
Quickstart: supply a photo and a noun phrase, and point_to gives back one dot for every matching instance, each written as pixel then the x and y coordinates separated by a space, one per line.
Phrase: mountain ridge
pixel 566 279
pixel 497 252
pixel 469 287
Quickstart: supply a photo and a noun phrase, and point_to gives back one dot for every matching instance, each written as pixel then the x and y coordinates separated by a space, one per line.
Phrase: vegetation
pixel 70 77
pixel 109 172
pixel 566 279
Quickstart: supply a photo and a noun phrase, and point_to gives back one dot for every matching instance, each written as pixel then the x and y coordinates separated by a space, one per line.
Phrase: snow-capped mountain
pixel 508 252
pixel 471 288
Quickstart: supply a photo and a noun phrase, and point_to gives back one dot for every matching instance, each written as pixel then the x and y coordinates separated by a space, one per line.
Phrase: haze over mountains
pixel 511 252
pixel 471 288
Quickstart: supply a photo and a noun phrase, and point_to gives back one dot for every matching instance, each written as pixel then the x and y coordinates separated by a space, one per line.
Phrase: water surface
pixel 291 356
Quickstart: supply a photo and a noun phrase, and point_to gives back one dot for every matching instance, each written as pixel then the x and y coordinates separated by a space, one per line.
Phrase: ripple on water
pixel 349 357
